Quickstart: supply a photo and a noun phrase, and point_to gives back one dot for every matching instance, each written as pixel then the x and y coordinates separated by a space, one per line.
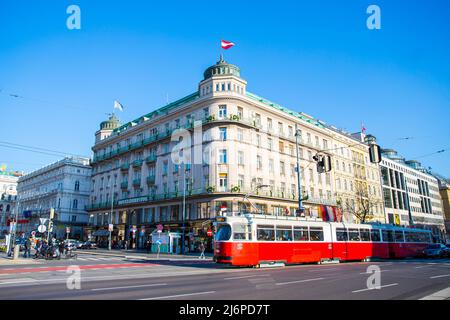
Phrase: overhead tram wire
pixel 38 150
pixel 433 153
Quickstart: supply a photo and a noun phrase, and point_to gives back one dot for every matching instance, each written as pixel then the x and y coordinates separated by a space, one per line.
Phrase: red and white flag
pixel 363 128
pixel 226 44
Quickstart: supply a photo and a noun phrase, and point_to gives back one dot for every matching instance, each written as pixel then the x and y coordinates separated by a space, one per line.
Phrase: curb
pixel 142 257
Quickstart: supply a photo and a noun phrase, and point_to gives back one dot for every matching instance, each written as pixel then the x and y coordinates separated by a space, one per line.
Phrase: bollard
pixel 16 251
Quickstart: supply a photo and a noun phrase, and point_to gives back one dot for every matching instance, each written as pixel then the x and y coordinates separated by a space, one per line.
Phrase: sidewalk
pixel 142 254
pixel 6 261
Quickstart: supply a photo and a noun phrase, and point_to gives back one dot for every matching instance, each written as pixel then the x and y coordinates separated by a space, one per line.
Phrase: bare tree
pixel 361 205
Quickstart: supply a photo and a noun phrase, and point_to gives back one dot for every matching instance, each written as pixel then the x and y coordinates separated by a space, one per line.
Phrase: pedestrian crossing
pixel 96 258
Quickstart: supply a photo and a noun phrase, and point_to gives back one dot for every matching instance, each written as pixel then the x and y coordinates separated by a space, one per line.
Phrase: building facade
pixel 411 194
pixel 8 194
pixel 444 191
pixel 243 159
pixel 64 186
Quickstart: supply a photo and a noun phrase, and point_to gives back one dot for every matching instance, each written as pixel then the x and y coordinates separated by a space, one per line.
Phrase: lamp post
pixel 299 187
pixel 16 218
pixel 184 208
pixel 110 216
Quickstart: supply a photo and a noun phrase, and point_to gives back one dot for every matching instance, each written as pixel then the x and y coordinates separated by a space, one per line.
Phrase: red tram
pixel 251 240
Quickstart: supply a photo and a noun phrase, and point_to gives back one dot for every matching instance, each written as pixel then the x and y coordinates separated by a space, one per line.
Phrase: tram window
pixel 399 236
pixel 375 235
pixel 353 235
pixel 301 234
pixel 223 233
pixel 388 236
pixel 341 234
pixel 316 234
pixel 410 236
pixel 284 233
pixel 265 233
pixel 365 234
pixel 239 231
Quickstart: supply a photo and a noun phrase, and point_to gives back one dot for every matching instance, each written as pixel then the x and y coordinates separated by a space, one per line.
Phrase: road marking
pixel 130 287
pixel 243 277
pixel 440 276
pixel 420 267
pixel 372 272
pixel 298 281
pixel 380 287
pixel 439 295
pixel 179 295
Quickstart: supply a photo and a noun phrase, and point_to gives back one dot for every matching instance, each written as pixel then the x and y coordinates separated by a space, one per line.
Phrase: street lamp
pixel 299 187
pixel 110 216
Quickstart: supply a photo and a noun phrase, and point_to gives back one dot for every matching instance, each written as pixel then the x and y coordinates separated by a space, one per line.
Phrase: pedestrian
pixel 27 248
pixel 125 244
pixel 148 245
pixel 202 250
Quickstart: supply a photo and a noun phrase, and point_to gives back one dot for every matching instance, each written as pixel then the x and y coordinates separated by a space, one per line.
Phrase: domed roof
pixel 112 123
pixel 222 68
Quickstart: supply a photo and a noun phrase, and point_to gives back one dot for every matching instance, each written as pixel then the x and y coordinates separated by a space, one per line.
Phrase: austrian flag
pixel 226 44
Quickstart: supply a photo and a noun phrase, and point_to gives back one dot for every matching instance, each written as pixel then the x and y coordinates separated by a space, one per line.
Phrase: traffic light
pixel 323 163
pixel 52 213
pixel 375 153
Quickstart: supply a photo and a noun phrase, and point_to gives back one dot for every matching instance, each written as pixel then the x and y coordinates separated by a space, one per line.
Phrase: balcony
pixel 137 163
pixel 124 185
pixel 125 167
pixel 151 180
pixel 137 183
pixel 150 159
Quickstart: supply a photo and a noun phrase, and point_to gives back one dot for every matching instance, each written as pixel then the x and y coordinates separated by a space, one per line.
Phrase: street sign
pixel 110 227
pixel 209 232
pixel 158 242
pixel 159 231
pixel 42 220
pixel 33 233
pixel 42 228
pixel 67 229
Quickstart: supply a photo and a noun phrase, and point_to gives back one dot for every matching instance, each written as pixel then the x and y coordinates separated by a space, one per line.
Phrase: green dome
pixel 112 123
pixel 222 68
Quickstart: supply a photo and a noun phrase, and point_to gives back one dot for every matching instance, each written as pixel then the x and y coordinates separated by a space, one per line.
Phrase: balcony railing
pixel 151 158
pixel 137 163
pixel 137 182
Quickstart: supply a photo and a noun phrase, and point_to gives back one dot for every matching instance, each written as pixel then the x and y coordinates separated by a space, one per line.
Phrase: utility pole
pixel 184 208
pixel 110 216
pixel 13 236
pixel 299 187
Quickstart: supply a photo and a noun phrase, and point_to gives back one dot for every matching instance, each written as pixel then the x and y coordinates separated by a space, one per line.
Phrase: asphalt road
pixel 120 278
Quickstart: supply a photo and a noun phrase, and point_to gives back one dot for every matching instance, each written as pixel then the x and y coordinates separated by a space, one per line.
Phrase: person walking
pixel 148 246
pixel 27 248
pixel 202 250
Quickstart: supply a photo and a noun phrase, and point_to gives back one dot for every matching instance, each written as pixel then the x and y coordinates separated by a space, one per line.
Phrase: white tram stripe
pixel 440 276
pixel 130 287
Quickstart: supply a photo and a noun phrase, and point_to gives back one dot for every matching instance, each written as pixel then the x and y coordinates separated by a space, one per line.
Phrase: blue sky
pixel 317 57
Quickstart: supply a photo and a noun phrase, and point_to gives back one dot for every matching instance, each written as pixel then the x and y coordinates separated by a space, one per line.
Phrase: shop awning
pixel 100 233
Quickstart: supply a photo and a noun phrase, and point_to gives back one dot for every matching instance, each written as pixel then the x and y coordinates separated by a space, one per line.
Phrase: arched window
pixel 77 185
pixel 7 208
pixel 75 204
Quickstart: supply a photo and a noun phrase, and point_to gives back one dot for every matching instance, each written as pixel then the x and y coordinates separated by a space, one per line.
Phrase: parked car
pixel 89 245
pixel 436 250
pixel 79 244
pixel 447 251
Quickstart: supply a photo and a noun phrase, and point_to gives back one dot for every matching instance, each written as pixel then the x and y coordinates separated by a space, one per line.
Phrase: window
pixel 239 231
pixel 375 235
pixel 241 181
pixel 398 236
pixel 316 233
pixel 284 233
pixel 222 111
pixel 282 169
pixel 265 233
pixel 341 234
pixel 240 158
pixel 271 165
pixel 258 140
pixel 269 144
pixel 240 112
pixel 223 181
pixel 75 204
pixel 269 124
pixel 258 162
pixel 77 185
pixel 365 234
pixel 240 135
pixel 388 236
pixel 223 156
pixel 353 235
pixel 205 113
pixel 301 234
pixel 223 134
pixel 223 232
